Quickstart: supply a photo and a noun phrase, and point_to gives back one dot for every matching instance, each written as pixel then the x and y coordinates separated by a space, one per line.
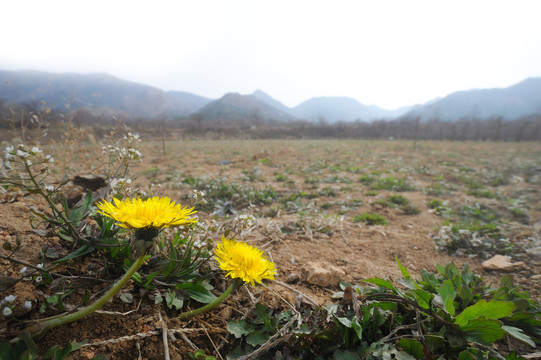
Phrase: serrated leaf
pixel 494 309
pixel 412 347
pixel 238 328
pixel 447 293
pixel 257 338
pixel 483 330
pixel 518 334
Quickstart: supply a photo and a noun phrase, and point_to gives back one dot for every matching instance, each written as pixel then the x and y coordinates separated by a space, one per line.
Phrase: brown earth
pixel 315 227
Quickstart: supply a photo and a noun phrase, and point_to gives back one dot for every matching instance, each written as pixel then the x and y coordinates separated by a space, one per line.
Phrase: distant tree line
pixel 36 116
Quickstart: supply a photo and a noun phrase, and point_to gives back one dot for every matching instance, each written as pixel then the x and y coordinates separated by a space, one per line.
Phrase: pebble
pixel 292 278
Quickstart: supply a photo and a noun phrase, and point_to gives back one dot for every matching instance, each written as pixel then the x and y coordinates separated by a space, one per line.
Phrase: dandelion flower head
pixel 243 261
pixel 155 213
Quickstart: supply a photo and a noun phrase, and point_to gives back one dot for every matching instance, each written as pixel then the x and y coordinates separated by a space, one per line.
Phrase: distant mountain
pixel 342 108
pixel 508 103
pixel 234 107
pixel 95 91
pixel 272 102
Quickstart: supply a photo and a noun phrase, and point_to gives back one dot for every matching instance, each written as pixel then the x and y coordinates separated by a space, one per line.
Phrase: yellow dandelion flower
pixel 154 213
pixel 243 261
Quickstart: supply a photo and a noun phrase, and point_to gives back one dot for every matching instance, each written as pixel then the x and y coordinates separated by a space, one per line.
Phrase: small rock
pixel 292 278
pixel 500 262
pixel 535 278
pixel 293 261
pixel 322 274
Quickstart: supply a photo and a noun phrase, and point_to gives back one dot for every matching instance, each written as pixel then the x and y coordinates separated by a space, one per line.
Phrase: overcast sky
pixel 386 53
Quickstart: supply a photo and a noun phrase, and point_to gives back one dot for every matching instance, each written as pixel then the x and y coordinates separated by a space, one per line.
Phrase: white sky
pixel 387 53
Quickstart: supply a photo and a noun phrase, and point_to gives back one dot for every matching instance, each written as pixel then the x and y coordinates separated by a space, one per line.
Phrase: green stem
pixel 187 315
pixel 41 327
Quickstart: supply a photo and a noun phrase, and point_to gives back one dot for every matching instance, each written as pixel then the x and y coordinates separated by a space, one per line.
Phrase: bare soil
pixel 317 228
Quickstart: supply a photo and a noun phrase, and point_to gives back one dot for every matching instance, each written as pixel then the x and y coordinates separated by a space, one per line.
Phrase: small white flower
pixel 35 150
pixel 9 149
pixel 49 158
pixel 9 299
pixel 7 311
pixel 23 270
pixel 39 279
pixel 21 153
pixel 49 188
pixel 27 305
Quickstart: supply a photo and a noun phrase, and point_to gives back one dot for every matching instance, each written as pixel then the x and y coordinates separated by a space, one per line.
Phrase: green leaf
pixel 403 270
pixel 344 321
pixel 383 283
pixel 465 355
pixel 408 283
pixel 483 330
pixel 412 347
pixel 238 328
pixel 5 350
pixel 197 292
pixel 62 353
pixel 88 201
pixel 83 250
pixel 494 309
pixel 423 298
pixel 172 301
pixel 447 293
pixel 357 327
pixel 257 338
pixel 518 334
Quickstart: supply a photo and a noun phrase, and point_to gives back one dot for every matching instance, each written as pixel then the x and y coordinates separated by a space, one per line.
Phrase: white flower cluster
pixel 23 153
pixel 7 303
pixel 244 221
pixel 199 196
pixel 8 300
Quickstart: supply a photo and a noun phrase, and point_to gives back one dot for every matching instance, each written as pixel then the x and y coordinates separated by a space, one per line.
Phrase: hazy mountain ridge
pixel 107 94
pixel 509 103
pixel 234 107
pixel 95 91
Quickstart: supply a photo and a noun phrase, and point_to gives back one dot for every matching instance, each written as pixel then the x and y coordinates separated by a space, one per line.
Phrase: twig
pixel 213 344
pixel 298 292
pixel 187 341
pixel 343 237
pixel 536 355
pixel 142 335
pixel 164 337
